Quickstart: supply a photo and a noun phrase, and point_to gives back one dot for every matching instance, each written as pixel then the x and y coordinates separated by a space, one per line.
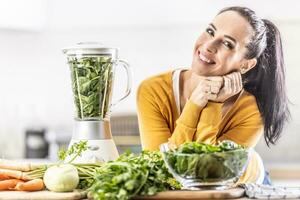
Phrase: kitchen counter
pixel 45 195
pixel 281 175
pixel 276 182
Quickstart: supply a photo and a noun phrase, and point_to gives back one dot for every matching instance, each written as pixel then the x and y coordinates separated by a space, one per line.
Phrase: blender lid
pixel 91 48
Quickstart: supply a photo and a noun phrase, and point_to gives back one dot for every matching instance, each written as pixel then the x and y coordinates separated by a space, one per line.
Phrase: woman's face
pixel 221 48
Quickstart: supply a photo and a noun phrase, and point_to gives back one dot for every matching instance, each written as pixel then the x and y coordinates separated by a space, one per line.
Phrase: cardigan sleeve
pixel 154 125
pixel 245 126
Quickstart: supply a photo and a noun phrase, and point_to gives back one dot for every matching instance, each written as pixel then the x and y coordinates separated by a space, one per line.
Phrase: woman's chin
pixel 204 70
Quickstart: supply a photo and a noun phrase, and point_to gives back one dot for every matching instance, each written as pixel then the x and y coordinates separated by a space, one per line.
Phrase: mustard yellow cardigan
pixel 160 122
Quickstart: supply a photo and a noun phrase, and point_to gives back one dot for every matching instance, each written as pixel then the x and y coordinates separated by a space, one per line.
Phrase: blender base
pixel 101 150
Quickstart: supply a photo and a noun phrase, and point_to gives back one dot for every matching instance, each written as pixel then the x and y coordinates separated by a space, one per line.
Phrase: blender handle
pixel 129 81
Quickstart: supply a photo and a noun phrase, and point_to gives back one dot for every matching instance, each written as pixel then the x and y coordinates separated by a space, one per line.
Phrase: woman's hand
pixel 206 88
pixel 215 88
pixel 232 85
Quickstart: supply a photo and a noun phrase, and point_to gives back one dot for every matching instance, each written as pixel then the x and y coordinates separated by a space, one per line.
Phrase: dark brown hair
pixel 266 81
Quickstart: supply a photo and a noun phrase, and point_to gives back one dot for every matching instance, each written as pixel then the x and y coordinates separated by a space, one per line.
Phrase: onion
pixel 61 178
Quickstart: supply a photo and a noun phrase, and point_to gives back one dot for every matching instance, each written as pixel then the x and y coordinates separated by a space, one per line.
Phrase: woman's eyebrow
pixel 227 36
pixel 231 38
pixel 212 25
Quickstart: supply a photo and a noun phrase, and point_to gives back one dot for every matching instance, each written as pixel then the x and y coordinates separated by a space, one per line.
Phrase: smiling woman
pixel 221 48
pixel 234 90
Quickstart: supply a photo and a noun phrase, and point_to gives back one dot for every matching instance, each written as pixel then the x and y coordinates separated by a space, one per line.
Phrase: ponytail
pixel 266 81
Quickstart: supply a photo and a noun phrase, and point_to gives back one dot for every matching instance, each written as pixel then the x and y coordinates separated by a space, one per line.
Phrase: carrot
pixel 33 185
pixel 9 184
pixel 20 166
pixel 4 177
pixel 14 174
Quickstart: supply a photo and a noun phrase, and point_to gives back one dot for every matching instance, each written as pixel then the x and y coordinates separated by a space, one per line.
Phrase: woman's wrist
pixel 199 102
pixel 190 114
pixel 217 101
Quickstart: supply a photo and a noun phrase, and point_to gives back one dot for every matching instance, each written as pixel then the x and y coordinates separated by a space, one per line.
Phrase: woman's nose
pixel 210 46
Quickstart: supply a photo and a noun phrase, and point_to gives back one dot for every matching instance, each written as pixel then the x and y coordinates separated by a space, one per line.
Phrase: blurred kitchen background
pixel 36 103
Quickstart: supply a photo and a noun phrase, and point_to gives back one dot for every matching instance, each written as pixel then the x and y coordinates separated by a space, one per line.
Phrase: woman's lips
pixel 205 59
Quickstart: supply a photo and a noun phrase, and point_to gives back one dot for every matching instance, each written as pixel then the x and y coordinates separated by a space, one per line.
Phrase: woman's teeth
pixel 203 58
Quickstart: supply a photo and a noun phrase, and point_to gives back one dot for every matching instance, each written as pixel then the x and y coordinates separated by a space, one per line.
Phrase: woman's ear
pixel 247 65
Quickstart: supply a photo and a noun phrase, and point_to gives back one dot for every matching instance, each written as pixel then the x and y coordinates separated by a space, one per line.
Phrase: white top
pixel 176 78
pixel 176 84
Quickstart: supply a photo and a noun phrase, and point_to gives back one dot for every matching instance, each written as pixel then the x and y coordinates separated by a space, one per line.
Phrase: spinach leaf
pixel 207 163
pixel 92 79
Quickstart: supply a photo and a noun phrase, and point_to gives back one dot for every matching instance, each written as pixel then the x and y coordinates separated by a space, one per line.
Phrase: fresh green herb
pixel 86 174
pixel 159 179
pixel 131 175
pixel 73 152
pixel 92 84
pixel 207 163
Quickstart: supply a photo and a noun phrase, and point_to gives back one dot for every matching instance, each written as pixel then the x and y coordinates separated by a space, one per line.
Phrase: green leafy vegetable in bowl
pixel 197 164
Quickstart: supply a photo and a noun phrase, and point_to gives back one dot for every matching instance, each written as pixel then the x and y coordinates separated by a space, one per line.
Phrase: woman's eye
pixel 228 45
pixel 210 31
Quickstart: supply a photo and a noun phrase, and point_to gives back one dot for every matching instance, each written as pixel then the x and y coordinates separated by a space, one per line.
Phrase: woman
pixel 234 89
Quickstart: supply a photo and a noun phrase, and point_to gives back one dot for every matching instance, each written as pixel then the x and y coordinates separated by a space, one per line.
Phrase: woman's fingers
pixel 216 81
pixel 227 85
pixel 240 80
pixel 204 85
pixel 210 87
pixel 214 78
pixel 215 89
pixel 231 84
pixel 237 82
pixel 212 97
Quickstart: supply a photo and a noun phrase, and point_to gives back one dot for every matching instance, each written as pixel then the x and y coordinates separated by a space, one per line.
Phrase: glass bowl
pixel 217 170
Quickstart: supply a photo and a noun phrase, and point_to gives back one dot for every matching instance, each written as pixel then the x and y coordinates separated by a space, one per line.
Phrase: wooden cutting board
pixel 169 195
pixel 42 195
pixel 196 194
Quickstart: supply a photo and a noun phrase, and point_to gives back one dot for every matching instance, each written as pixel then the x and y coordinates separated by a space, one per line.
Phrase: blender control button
pixel 93 148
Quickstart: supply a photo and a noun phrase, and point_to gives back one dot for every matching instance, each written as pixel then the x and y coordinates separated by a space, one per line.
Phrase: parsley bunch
pixel 131 175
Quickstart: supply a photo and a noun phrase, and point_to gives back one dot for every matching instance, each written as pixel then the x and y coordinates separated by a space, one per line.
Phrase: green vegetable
pixel 74 151
pixel 207 163
pixel 199 148
pixel 85 170
pixel 61 178
pixel 131 175
pixel 92 79
pixel 159 179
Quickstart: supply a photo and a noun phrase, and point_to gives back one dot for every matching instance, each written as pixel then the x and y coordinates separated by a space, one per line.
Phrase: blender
pixel 93 68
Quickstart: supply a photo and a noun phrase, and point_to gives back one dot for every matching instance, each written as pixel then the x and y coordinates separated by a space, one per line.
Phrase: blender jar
pixel 92 68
